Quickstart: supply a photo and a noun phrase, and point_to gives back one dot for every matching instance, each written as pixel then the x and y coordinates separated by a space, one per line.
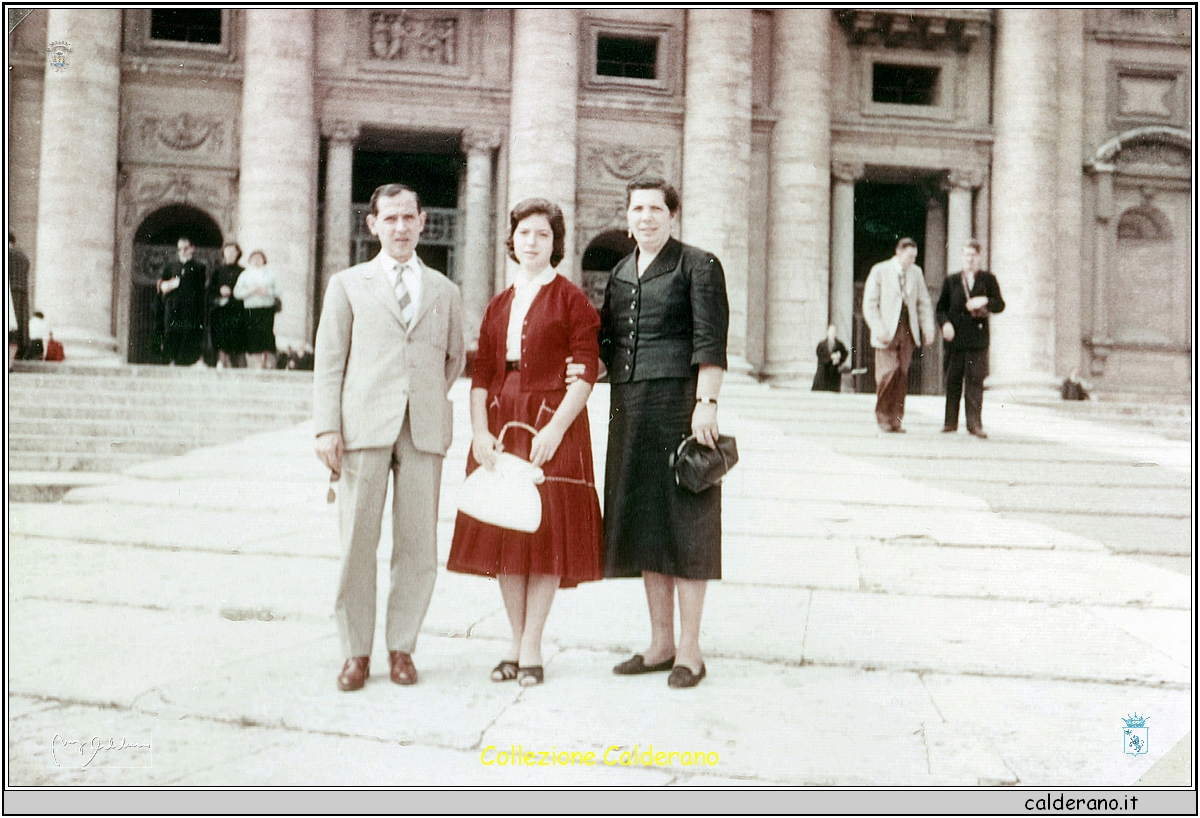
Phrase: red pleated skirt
pixel 569 544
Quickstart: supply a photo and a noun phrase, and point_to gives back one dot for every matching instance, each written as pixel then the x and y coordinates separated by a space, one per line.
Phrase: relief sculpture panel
pixel 179 138
pixel 400 36
pixel 612 166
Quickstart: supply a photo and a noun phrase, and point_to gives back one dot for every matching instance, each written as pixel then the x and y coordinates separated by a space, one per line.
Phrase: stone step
pixel 100 444
pixel 203 431
pixel 142 391
pixel 74 461
pixel 222 412
pixel 25 369
pixel 50 487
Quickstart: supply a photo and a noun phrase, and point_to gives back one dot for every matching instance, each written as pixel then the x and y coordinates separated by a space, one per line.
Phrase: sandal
pixel 506 671
pixel 530 676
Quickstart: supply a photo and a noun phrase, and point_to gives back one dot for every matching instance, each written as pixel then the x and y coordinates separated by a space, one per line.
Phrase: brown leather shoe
pixel 354 674
pixel 403 670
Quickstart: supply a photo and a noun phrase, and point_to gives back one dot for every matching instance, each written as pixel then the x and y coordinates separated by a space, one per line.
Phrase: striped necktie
pixel 407 308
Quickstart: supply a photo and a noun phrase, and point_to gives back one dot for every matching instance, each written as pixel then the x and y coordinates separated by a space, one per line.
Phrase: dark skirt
pixel 260 330
pixel 650 523
pixel 227 325
pixel 569 542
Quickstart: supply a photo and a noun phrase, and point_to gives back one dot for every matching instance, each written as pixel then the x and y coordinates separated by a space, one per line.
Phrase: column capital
pixel 964 178
pixel 340 130
pixel 849 172
pixel 485 140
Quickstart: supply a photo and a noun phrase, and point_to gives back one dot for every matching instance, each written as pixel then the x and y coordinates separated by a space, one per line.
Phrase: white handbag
pixel 507 495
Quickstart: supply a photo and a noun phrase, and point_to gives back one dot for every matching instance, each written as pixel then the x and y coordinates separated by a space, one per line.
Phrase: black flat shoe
pixel 530 676
pixel 637 664
pixel 506 671
pixel 682 676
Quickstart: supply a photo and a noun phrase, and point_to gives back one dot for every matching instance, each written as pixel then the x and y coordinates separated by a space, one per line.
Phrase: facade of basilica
pixel 804 143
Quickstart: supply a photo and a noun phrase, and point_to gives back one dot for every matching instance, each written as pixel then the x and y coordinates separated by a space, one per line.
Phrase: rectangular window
pixel 904 84
pixel 186 25
pixel 633 57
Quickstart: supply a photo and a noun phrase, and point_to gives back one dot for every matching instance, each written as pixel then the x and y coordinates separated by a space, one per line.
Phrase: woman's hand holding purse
pixel 545 444
pixel 484 446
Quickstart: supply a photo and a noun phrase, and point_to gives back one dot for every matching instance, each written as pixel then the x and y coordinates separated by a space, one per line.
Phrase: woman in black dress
pixel 226 318
pixel 663 334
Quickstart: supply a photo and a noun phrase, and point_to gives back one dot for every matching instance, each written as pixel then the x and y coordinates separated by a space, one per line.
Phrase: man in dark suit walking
pixel 181 287
pixel 967 299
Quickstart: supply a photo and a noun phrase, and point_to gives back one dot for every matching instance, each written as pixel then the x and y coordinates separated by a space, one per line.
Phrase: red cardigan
pixel 561 322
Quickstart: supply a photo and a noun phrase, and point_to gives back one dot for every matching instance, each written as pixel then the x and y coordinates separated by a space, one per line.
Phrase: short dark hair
pixel 259 253
pixel 235 246
pixel 974 245
pixel 553 213
pixel 389 190
pixel 670 194
pixel 188 239
pixel 905 242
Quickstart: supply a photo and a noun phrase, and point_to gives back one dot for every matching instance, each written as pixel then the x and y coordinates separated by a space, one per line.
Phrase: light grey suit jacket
pixel 882 301
pixel 368 370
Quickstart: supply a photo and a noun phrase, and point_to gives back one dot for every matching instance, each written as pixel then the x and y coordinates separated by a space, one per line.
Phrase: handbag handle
pixel 689 438
pixel 519 425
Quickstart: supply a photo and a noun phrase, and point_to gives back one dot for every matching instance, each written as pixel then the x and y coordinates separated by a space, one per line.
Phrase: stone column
pixel 77 183
pixel 959 185
pixel 1068 322
pixel 716 153
pixel 1105 247
pixel 543 126
pixel 277 182
pixel 841 263
pixel 1024 195
pixel 798 258
pixel 339 178
pixel 476 278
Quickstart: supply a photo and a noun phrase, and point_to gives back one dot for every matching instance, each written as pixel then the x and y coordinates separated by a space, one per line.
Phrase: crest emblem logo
pixel 58 52
pixel 1136 735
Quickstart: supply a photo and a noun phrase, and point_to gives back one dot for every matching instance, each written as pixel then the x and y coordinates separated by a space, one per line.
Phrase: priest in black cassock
pixel 181 289
pixel 831 358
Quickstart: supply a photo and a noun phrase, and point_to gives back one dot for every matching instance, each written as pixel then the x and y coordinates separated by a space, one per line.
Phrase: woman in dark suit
pixel 663 334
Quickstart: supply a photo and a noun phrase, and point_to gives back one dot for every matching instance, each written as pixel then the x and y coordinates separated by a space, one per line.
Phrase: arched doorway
pixel 601 255
pixel 153 245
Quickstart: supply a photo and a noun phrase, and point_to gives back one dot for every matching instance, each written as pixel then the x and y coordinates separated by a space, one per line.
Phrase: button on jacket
pixel 668 322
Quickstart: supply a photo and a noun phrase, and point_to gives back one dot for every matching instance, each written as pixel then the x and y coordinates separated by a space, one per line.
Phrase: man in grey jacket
pixel 389 347
pixel 897 309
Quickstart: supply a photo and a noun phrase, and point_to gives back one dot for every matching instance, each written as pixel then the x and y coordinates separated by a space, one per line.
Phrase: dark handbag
pixel 698 468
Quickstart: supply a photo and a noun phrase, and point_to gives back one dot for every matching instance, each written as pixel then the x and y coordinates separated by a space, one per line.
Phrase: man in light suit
pixel 388 349
pixel 897 309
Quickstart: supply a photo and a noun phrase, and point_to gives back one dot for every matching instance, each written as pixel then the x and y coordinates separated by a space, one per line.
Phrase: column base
pixel 83 347
pixel 788 371
pixel 1028 385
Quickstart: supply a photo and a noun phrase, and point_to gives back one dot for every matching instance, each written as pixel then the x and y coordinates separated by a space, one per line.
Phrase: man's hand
pixel 704 424
pixel 226 291
pixel 948 332
pixel 330 448
pixel 977 306
pixel 574 371
pixel 835 357
pixel 483 448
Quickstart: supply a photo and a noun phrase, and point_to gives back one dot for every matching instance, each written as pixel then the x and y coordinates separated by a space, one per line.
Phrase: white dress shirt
pixel 526 289
pixel 410 271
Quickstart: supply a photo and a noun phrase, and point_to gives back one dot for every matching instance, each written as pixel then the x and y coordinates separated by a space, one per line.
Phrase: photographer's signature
pixel 89 749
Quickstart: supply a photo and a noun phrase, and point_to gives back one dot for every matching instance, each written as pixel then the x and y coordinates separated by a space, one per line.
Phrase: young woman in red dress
pixel 529 332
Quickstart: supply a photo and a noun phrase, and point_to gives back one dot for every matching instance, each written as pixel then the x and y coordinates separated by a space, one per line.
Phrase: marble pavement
pixel 918 609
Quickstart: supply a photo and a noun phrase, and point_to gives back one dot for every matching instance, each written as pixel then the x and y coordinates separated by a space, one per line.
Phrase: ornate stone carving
pixel 927 29
pixel 182 133
pixel 340 130
pixel 594 217
pixel 849 172
pixel 401 36
pixel 482 139
pixel 172 187
pixel 617 164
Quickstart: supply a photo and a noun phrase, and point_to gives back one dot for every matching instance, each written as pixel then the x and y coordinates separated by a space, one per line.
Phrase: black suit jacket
pixel 668 322
pixel 183 308
pixel 969 332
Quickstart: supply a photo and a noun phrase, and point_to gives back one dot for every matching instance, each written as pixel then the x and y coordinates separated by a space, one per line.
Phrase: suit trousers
pixel 417 482
pixel 891 375
pixel 965 372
